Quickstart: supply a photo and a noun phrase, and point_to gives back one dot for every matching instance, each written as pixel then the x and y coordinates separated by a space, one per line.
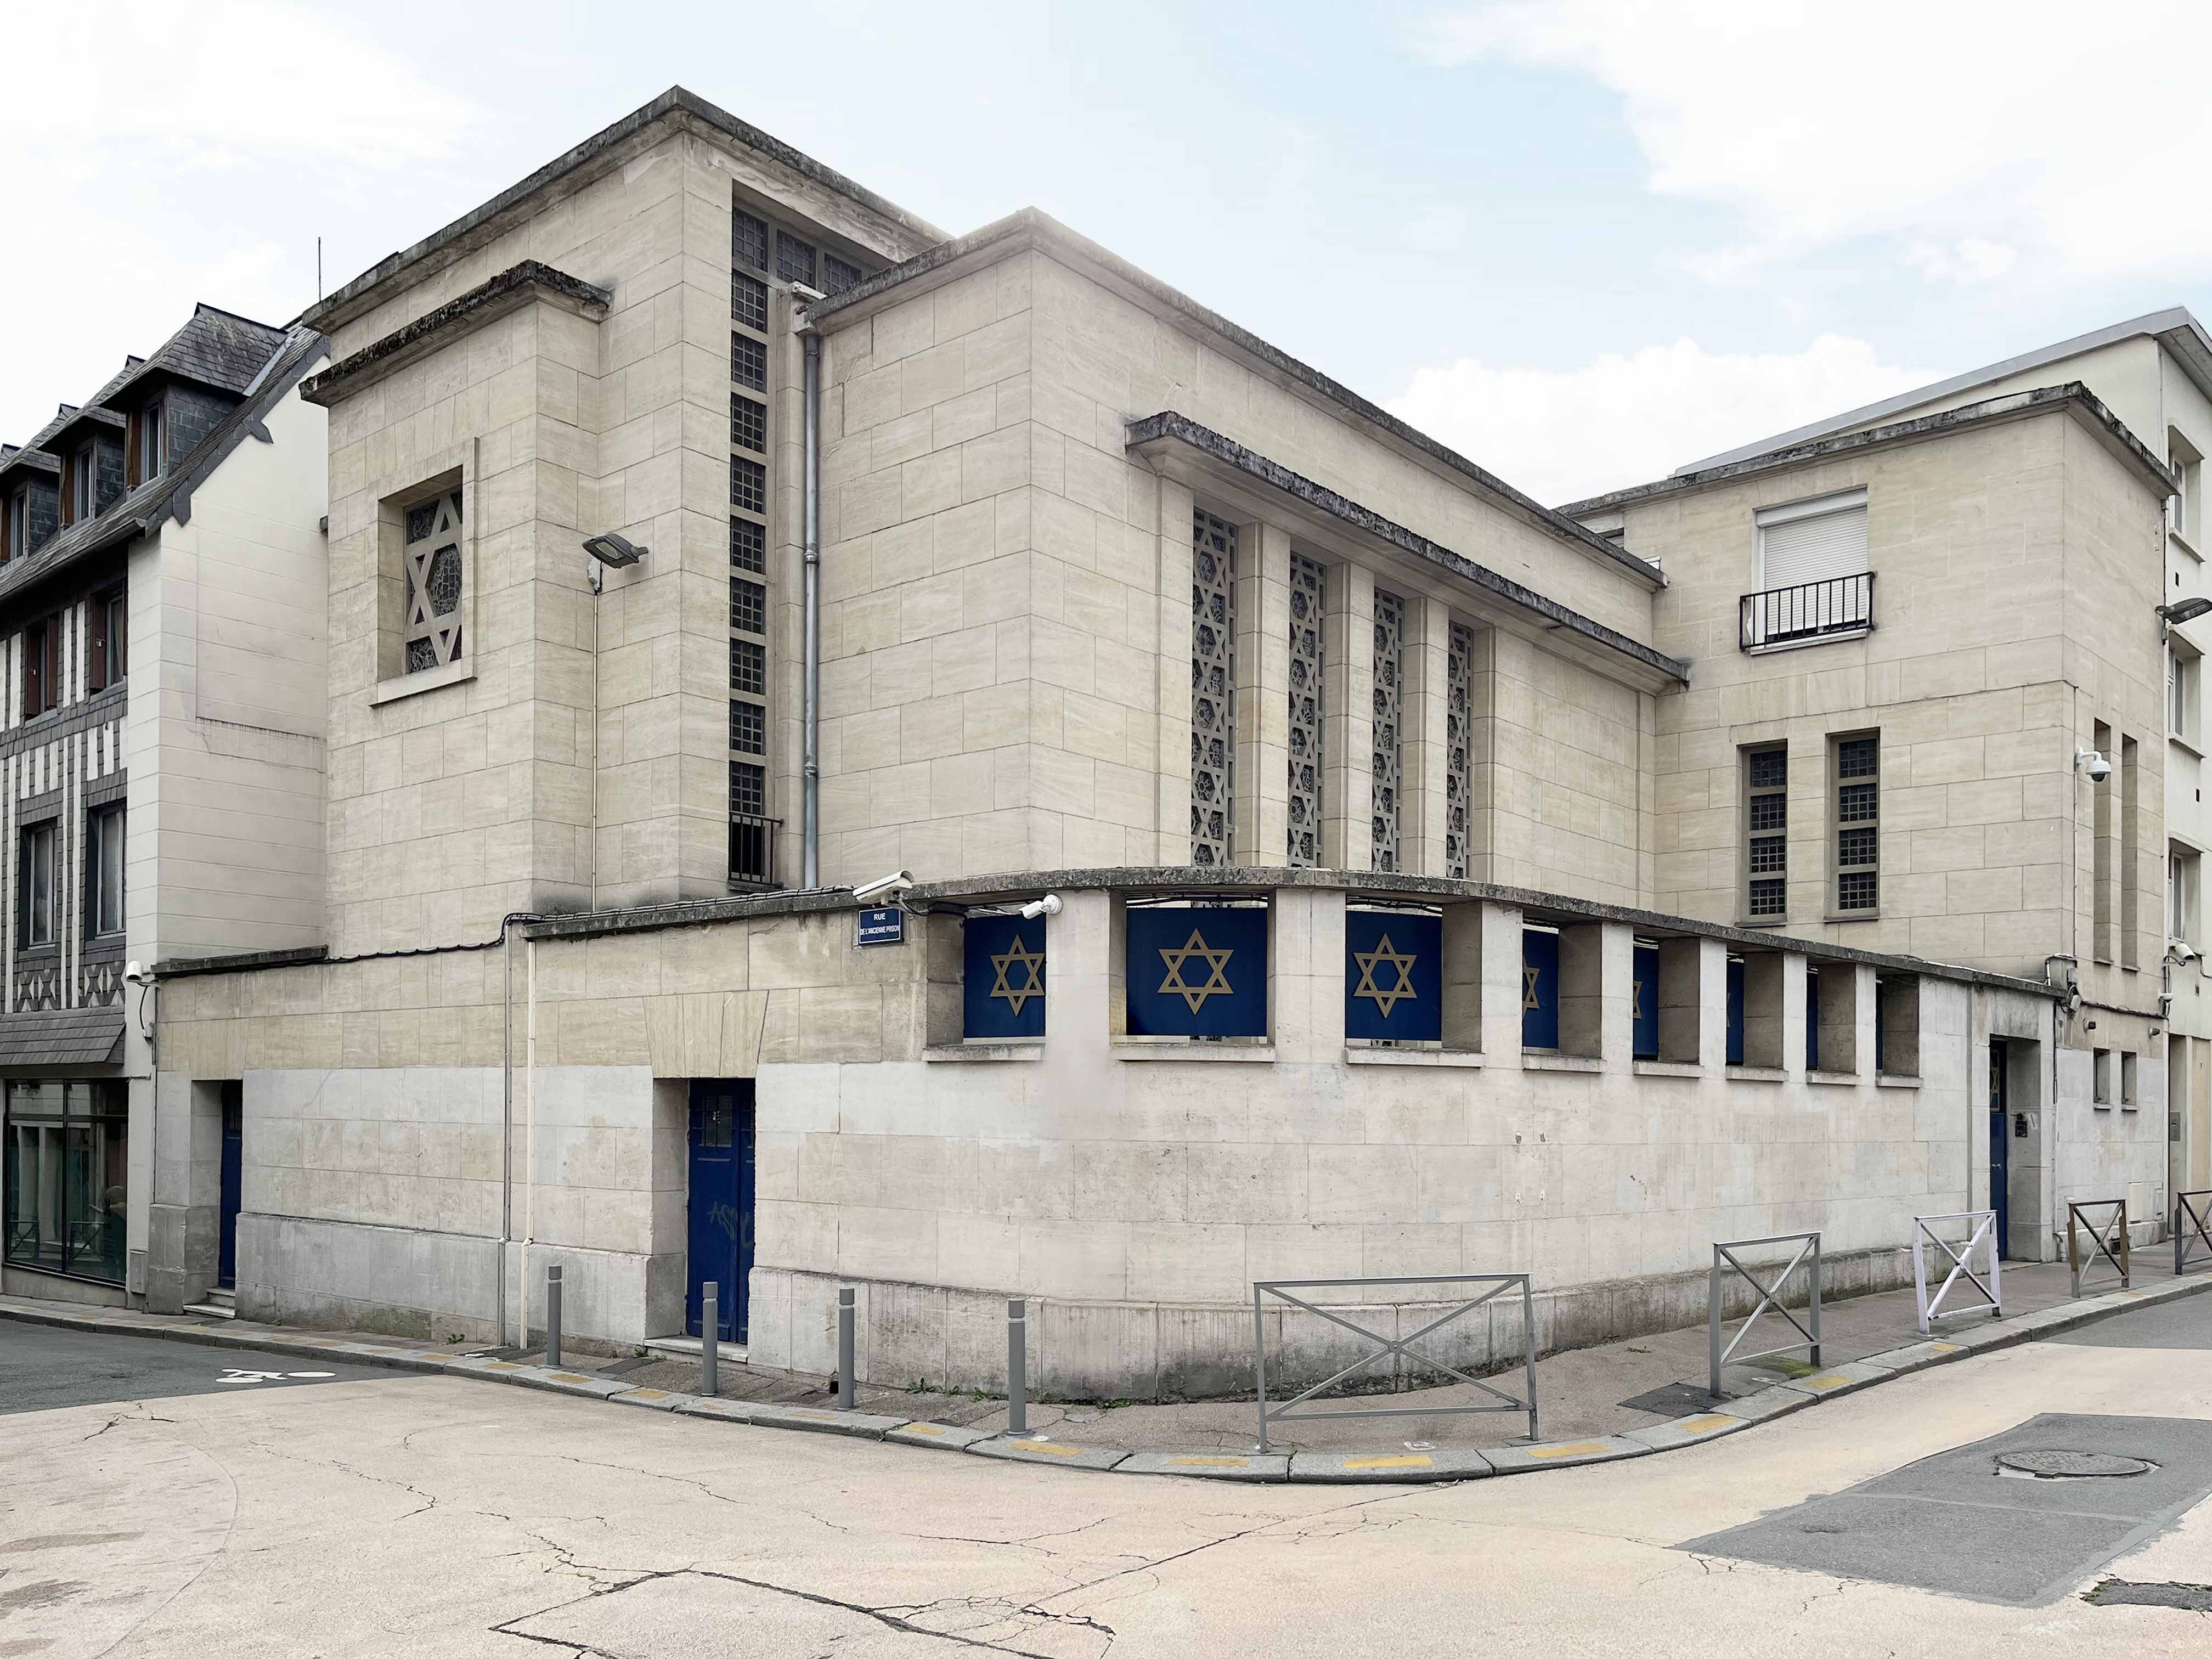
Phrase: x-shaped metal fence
pixel 2103 1232
pixel 1992 1289
pixel 1770 1300
pixel 2192 1227
pixel 1391 1347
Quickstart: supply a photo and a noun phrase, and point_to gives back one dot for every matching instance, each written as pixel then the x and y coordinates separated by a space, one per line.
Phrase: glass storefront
pixel 67 1157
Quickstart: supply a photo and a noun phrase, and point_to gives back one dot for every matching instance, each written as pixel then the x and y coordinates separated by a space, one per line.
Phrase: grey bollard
pixel 1017 1404
pixel 710 1327
pixel 553 1315
pixel 845 1348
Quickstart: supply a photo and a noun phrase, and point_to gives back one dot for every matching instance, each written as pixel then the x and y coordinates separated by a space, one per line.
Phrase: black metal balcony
pixel 752 852
pixel 1842 607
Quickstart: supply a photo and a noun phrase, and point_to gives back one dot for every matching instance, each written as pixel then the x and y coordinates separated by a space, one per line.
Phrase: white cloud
pixel 239 111
pixel 1964 130
pixel 1626 419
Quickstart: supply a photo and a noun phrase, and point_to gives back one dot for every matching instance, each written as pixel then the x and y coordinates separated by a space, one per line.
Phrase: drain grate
pixel 2049 1463
pixel 2119 1593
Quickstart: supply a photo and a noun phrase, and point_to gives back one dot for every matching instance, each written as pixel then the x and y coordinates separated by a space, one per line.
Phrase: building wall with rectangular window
pixel 2005 562
pixel 666 412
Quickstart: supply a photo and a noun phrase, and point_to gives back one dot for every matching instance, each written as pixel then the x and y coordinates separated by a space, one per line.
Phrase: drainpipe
pixel 811 530
pixel 529 1141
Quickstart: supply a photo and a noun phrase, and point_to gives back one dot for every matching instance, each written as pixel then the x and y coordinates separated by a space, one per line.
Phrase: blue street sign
pixel 885 925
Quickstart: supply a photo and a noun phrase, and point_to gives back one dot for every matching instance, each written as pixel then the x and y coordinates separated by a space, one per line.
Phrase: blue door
pixel 1999 1145
pixel 722 1204
pixel 234 1186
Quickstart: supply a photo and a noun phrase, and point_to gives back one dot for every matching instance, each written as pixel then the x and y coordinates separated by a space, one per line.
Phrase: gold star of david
pixel 1217 984
pixel 1528 988
pixel 1402 992
pixel 1635 999
pixel 1031 962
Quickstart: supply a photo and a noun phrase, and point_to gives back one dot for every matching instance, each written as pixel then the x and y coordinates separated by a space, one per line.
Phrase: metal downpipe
pixel 811 531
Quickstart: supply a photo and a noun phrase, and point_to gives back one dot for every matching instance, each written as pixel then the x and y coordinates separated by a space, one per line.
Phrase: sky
pixel 1582 241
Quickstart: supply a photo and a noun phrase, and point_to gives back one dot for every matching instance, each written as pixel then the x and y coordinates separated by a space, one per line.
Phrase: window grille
pixel 1309 592
pixel 748 789
pixel 1858 762
pixel 748 485
pixel 748 241
pixel 749 667
pixel 748 546
pixel 1212 687
pixel 748 606
pixel 749 362
pixel 1767 846
pixel 748 423
pixel 1459 722
pixel 838 275
pixel 1389 712
pixel 795 259
pixel 431 632
pixel 749 728
pixel 748 301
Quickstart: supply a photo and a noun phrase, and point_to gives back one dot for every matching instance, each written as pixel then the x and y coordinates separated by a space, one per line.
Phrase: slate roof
pixel 70 1036
pixel 214 347
pixel 154 503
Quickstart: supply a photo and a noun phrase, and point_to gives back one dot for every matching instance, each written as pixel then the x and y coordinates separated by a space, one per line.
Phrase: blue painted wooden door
pixel 721 1204
pixel 2000 1148
pixel 233 1180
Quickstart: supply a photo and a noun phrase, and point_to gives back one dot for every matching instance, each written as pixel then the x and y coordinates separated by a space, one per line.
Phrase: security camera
pixel 134 973
pixel 2094 764
pixel 891 885
pixel 2184 954
pixel 1047 906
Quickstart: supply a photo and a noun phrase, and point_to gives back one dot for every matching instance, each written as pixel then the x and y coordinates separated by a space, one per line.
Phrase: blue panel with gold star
pixel 1736 994
pixel 1003 971
pixel 1644 1002
pixel 1393 976
pixel 1198 973
pixel 1539 989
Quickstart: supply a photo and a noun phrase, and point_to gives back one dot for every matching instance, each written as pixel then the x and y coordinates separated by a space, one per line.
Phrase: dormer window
pixel 149 442
pixel 15 525
pixel 77 496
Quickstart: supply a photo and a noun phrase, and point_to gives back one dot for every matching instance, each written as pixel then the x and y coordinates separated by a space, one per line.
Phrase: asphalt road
pixel 45 1368
pixel 169 1514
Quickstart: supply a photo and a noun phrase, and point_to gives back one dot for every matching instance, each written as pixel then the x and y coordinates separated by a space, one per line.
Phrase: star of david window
pixel 1459 718
pixel 1309 586
pixel 1212 687
pixel 432 635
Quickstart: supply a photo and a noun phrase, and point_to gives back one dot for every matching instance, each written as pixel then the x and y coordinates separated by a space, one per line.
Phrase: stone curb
pixel 1375 1468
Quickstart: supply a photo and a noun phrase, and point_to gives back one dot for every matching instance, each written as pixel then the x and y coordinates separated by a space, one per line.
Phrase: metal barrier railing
pixel 2192 1226
pixel 2101 1235
pixel 1992 1289
pixel 1808 1249
pixel 1386 1347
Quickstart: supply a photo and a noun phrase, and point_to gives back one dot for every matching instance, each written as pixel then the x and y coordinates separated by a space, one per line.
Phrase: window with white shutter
pixel 1813 580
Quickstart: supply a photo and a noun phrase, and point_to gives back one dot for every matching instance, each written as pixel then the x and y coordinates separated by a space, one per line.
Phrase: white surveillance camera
pixel 2093 763
pixel 1047 906
pixel 134 973
pixel 885 887
pixel 2186 954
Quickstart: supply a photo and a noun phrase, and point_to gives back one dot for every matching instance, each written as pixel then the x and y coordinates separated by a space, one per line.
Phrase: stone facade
pixel 1112 590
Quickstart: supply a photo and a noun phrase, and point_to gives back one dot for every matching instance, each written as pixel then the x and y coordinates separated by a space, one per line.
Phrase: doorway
pixel 232 1185
pixel 721 1204
pixel 2001 1146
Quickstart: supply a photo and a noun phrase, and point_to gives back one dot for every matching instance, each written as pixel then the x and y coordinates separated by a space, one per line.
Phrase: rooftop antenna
pixel 319 270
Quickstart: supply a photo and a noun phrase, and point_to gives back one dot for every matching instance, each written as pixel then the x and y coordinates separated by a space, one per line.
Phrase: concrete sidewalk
pixel 1622 1400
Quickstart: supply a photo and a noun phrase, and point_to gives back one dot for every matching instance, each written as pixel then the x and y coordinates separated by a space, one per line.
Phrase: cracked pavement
pixel 436 1517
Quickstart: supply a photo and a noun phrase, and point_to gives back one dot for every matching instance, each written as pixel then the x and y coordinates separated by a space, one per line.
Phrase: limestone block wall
pixel 1006 644
pixel 2014 566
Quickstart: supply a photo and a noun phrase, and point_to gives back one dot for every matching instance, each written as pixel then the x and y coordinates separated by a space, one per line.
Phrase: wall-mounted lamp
pixel 2183 611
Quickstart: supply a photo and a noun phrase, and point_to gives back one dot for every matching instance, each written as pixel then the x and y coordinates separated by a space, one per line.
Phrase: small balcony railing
pixel 1842 607
pixel 752 852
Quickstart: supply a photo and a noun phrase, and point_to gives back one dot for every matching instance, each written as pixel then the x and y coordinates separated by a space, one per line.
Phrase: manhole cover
pixel 2053 1465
